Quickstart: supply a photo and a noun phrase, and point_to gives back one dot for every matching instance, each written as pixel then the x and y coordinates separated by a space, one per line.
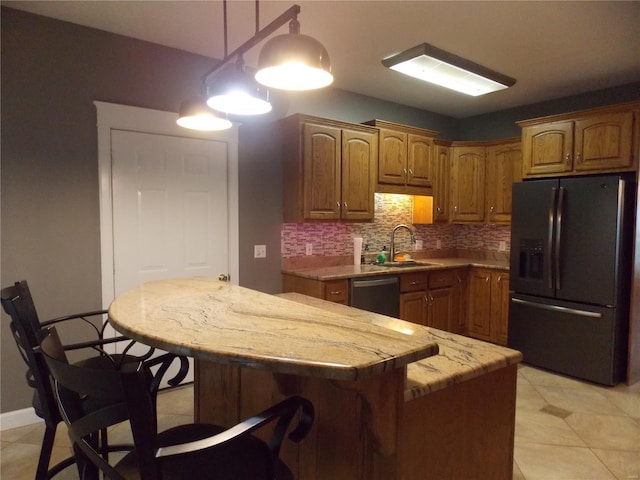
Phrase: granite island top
pixel 459 358
pixel 426 264
pixel 219 322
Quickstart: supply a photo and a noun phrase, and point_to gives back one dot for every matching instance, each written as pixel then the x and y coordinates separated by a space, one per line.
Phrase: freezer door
pixel 532 235
pixel 575 339
pixel 589 234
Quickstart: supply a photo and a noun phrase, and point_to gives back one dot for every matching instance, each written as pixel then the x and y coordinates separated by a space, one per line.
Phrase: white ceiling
pixel 553 49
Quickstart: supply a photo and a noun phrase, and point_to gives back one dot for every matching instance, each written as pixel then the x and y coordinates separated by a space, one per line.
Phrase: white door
pixel 169 208
pixel 168 199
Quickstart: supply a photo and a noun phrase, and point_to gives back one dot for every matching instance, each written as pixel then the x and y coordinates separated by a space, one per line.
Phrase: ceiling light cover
pixel 439 67
pixel 196 115
pixel 294 62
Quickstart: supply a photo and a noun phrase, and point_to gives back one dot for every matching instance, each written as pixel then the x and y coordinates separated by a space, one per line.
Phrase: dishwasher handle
pixel 374 283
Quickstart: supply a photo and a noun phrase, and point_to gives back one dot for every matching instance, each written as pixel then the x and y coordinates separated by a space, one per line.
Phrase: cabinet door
pixel 500 307
pixel 322 159
pixel 419 161
pixel 413 307
pixel 441 185
pixel 439 307
pixel 479 321
pixel 459 300
pixel 359 153
pixel 336 291
pixel 547 148
pixel 604 142
pixel 467 185
pixel 392 162
pixel 503 163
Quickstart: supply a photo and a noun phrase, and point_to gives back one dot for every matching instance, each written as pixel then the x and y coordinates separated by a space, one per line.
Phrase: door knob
pixel 223 277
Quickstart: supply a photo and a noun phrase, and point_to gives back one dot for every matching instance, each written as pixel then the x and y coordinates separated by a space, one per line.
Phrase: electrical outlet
pixel 438 244
pixel 309 249
pixel 259 251
pixel 418 245
pixel 503 246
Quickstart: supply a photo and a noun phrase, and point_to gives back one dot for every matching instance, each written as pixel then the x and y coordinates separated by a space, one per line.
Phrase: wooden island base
pixel 365 429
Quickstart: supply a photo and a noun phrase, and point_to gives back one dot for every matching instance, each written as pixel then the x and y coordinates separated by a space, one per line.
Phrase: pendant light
pixel 196 115
pixel 236 92
pixel 294 62
pixel 303 58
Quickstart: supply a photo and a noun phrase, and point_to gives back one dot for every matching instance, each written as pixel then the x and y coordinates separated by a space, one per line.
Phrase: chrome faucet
pixel 393 239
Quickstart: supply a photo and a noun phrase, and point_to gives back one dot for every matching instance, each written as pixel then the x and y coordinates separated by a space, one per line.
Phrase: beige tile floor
pixel 565 430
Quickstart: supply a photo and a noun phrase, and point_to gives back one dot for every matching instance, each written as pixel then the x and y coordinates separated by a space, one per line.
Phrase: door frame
pixel 112 116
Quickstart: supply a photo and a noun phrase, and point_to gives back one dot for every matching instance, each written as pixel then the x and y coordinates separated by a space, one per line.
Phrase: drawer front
pixel 414 282
pixel 337 291
pixel 441 279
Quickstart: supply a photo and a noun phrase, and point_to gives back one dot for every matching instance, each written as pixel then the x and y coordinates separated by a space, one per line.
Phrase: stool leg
pixel 45 452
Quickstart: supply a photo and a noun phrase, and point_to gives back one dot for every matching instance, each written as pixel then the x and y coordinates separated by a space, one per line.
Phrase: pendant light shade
pixel 294 62
pixel 196 115
pixel 237 92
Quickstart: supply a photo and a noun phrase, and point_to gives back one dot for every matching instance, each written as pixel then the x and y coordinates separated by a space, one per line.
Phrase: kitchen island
pixel 393 400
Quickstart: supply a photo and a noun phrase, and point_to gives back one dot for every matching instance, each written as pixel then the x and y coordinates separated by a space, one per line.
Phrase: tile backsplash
pixel 333 239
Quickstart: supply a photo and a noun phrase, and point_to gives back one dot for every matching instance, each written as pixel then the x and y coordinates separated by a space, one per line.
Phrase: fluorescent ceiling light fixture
pixel 430 64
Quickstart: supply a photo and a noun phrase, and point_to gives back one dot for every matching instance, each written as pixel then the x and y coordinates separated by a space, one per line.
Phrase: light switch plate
pixel 503 246
pixel 309 249
pixel 259 251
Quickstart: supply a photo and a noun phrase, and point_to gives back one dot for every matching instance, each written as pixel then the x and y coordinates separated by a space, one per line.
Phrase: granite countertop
pixel 459 358
pixel 223 323
pixel 426 264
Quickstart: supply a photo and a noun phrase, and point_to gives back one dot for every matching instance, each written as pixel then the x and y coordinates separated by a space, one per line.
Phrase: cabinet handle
pixel 459 279
pixel 410 173
pixel 346 207
pixel 492 212
pixel 486 279
pixel 338 205
pixel 335 292
pixel 439 209
pixel 578 157
pixel 499 278
pixel 567 157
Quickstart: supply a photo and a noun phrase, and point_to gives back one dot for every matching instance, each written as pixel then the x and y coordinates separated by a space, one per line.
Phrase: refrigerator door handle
pixel 561 194
pixel 549 256
pixel 557 308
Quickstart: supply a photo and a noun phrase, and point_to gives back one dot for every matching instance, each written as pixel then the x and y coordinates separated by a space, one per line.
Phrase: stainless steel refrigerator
pixel 571 256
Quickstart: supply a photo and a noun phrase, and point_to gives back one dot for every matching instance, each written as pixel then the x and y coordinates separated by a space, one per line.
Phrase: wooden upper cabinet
pixel 599 140
pixel 392 162
pixel 503 168
pixel 548 148
pixel 467 188
pixel 441 184
pixel 329 169
pixel 604 142
pixel 406 158
pixel 322 171
pixel 359 153
pixel 420 162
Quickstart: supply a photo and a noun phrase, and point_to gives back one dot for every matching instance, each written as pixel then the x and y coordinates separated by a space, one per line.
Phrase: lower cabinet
pixel 436 299
pixel 332 290
pixel 488 309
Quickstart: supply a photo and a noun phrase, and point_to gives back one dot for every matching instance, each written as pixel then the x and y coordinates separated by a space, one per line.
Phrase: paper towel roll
pixel 357 250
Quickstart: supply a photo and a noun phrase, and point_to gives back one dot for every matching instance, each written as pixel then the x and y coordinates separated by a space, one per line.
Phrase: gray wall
pixel 52 71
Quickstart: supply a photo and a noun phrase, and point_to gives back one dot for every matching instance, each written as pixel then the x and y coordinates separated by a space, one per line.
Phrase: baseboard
pixel 18 418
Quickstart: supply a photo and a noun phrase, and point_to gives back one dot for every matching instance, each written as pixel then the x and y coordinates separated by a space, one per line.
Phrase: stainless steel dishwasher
pixel 379 294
